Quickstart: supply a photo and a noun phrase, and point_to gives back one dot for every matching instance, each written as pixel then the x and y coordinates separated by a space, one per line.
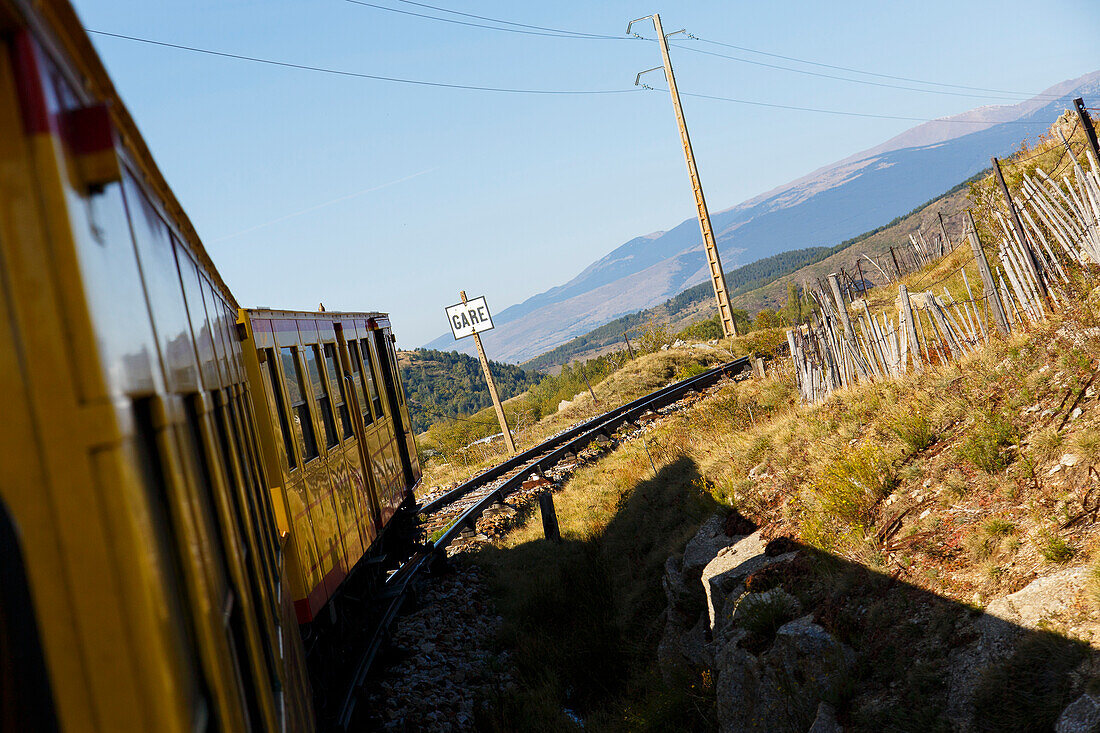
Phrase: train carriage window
pixel 320 393
pixel 296 395
pixel 280 408
pixel 341 396
pixel 247 437
pixel 371 377
pixel 225 543
pixel 357 377
pixel 26 701
pixel 167 546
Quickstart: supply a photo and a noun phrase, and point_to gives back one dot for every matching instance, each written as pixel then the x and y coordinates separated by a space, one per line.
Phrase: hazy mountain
pixel 823 208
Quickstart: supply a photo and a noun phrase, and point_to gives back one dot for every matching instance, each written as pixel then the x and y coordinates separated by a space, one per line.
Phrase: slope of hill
pixel 821 209
pixel 763 284
pixel 446 384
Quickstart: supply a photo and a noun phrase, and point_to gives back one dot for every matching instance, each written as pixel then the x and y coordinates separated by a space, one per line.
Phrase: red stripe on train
pixel 28 83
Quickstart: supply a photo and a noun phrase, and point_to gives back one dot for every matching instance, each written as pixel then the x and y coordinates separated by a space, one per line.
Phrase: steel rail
pixel 550 452
pixel 521 459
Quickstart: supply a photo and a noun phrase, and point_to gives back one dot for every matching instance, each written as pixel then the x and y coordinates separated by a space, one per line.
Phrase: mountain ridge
pixel 821 208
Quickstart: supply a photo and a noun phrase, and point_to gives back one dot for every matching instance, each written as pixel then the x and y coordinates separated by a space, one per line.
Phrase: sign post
pixel 469 318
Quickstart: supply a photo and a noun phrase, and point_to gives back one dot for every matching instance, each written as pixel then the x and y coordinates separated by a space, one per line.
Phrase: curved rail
pixel 660 398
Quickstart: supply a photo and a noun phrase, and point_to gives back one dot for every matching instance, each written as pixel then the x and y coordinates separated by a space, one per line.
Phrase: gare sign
pixel 469 318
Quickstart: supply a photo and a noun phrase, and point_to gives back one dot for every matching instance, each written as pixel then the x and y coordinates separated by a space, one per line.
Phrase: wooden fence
pixel 1047 232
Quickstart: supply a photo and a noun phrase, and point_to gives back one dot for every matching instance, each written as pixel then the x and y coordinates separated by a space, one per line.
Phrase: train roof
pixel 55 24
pixel 319 315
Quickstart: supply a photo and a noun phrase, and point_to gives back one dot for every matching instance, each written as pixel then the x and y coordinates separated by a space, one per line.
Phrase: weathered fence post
pixel 989 290
pixel 905 315
pixel 1030 260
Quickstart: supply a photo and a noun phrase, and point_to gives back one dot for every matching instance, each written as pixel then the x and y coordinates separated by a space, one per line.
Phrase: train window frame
pixel 300 408
pixel 201 444
pixel 315 366
pixel 332 360
pixel 375 396
pixel 357 377
pixel 282 415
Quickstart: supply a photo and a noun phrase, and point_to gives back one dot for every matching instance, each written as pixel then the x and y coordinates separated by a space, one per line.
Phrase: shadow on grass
pixel 584 618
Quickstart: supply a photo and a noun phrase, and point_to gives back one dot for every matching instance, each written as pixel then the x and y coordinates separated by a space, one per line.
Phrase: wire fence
pixel 1044 233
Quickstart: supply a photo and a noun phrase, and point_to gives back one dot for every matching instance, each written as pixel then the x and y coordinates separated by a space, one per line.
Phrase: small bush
pixel 763 613
pixel 997 527
pixel 689 370
pixel 855 483
pixel 706 330
pixel 987 445
pixel 915 430
pixel 1055 549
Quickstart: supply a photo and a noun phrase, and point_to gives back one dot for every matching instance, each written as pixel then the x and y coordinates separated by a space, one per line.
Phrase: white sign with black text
pixel 469 318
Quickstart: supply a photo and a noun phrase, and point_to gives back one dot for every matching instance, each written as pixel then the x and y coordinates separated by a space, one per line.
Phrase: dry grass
pixel 941 477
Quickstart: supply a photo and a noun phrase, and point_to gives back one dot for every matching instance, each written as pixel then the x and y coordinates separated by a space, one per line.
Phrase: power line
pixel 554 33
pixel 580 34
pixel 839 78
pixel 356 74
pixel 871 73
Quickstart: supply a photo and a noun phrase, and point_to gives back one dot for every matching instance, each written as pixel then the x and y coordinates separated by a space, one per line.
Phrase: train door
pixel 389 380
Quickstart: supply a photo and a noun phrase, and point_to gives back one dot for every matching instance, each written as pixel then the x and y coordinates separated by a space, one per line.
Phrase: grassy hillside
pixel 445 384
pixel 763 284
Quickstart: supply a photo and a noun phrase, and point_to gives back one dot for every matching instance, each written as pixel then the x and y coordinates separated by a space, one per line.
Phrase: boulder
pixel 723 577
pixel 1080 716
pixel 1005 621
pixel 704 546
pixel 782 688
pixel 825 722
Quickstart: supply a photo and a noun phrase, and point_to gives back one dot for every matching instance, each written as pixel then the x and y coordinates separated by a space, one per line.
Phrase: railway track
pixel 457 510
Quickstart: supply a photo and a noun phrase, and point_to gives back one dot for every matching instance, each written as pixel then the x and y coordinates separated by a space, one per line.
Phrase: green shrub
pixel 853 484
pixel 915 430
pixel 1055 549
pixel 764 613
pixel 706 330
pixel 987 445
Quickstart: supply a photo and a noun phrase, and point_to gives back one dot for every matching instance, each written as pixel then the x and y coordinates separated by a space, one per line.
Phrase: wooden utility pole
pixel 718 278
pixel 1032 262
pixel 989 289
pixel 492 388
pixel 1086 124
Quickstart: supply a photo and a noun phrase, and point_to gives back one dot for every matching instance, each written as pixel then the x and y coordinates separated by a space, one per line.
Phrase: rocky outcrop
pixel 772 669
pixel 999 630
pixel 724 576
pixel 1081 716
pixel 781 688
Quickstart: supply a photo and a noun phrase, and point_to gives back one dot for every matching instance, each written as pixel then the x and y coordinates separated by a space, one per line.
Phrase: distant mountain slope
pixel 823 208
pixel 763 284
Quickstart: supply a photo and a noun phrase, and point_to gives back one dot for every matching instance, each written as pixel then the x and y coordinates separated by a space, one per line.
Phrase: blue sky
pixel 373 195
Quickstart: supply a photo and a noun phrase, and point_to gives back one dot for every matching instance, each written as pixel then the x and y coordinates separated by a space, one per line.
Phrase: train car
pixel 337 438
pixel 158 550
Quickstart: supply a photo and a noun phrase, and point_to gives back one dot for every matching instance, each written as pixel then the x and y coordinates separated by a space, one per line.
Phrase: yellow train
pixel 185 485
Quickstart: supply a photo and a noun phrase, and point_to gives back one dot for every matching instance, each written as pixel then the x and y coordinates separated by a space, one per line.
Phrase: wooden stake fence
pixel 1049 230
